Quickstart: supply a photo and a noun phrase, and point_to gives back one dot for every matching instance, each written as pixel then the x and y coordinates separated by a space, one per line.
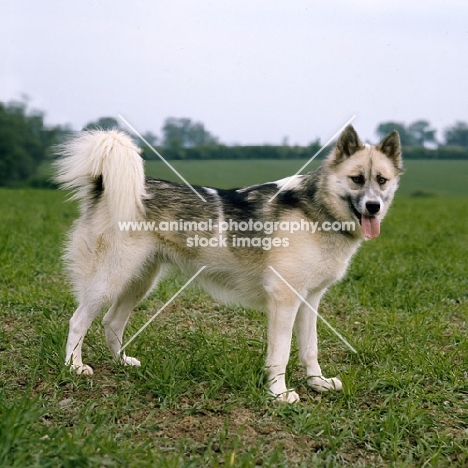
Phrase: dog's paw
pixel 322 384
pixel 290 396
pixel 130 361
pixel 82 369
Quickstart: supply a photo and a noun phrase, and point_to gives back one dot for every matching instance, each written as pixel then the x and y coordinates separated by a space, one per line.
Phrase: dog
pixel 257 245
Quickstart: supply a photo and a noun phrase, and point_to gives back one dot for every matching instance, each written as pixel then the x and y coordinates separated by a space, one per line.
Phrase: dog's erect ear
pixel 348 143
pixel 391 147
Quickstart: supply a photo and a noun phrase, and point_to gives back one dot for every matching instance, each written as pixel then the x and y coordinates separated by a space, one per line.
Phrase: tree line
pixel 26 141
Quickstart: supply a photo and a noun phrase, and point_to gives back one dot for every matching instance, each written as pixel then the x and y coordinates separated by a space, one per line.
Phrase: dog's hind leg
pixel 116 318
pixel 306 334
pixel 79 325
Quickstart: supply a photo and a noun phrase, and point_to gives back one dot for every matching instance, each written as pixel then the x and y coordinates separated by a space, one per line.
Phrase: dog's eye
pixel 358 179
pixel 381 180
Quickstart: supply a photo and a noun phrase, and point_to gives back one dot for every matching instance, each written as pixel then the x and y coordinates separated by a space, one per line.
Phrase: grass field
pixel 422 177
pixel 199 400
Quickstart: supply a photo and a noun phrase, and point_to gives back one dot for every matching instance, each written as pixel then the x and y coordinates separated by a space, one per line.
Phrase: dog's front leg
pixel 281 315
pixel 306 333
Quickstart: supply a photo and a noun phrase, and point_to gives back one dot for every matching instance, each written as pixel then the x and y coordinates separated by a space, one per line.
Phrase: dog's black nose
pixel 373 207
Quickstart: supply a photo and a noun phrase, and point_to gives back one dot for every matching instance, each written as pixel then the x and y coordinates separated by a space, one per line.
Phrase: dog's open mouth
pixel 370 224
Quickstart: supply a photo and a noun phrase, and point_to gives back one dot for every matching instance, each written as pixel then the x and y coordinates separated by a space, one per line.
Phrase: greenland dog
pixel 256 249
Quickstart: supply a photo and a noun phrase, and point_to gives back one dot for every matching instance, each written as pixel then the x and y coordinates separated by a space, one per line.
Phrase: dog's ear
pixel 348 143
pixel 391 147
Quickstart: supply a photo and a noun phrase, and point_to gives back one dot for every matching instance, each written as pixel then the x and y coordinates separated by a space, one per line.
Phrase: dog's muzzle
pixel 368 220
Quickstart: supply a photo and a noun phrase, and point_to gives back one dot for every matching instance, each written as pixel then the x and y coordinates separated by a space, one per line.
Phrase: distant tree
pixel 421 133
pixel 151 138
pixel 198 136
pixel 61 133
pixel 153 141
pixel 103 123
pixel 23 142
pixel 183 133
pixel 457 135
pixel 387 127
pixel 110 123
pixel 175 133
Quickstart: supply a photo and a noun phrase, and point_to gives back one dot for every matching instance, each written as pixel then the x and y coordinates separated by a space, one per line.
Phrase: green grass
pixel 199 398
pixel 422 178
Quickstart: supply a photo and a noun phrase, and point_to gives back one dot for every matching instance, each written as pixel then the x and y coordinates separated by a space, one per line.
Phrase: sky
pixel 253 72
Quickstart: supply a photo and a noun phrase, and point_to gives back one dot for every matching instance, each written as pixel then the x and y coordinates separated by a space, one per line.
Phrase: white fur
pixel 290 182
pixel 115 157
pixel 212 191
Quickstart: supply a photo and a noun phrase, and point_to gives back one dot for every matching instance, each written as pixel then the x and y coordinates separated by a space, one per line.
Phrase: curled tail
pixel 104 165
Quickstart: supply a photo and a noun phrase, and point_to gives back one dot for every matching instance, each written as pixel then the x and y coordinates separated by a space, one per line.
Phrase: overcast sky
pixel 252 71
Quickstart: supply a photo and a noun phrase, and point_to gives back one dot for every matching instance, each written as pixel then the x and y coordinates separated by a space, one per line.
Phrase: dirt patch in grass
pixel 239 429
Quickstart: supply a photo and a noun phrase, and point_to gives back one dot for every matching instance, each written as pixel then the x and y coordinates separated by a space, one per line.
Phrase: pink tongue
pixel 371 226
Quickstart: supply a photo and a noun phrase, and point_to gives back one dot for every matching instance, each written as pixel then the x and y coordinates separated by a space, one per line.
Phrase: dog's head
pixel 364 178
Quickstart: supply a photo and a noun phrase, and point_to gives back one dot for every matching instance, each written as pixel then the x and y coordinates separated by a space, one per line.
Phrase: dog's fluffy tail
pixel 104 164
